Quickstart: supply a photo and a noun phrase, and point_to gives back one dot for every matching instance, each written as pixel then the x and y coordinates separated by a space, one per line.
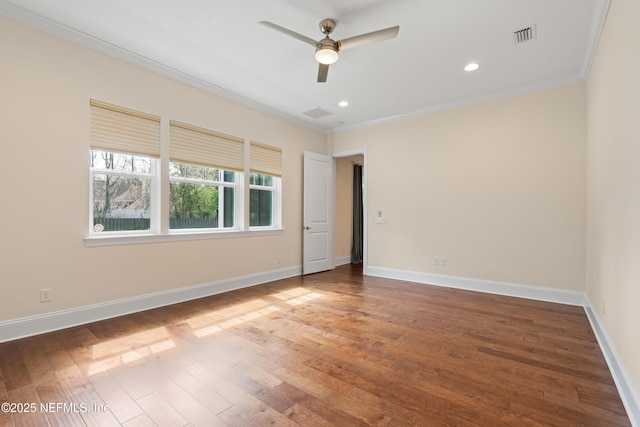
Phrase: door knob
pixel 306 228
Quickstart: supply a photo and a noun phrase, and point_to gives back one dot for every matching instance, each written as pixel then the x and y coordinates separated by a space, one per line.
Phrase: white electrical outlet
pixel 45 295
pixel 443 261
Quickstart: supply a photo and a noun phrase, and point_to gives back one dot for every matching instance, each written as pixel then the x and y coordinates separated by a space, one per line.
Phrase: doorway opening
pixel 350 219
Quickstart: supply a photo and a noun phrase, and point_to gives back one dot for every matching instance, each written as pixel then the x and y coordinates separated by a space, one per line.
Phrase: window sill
pixel 121 239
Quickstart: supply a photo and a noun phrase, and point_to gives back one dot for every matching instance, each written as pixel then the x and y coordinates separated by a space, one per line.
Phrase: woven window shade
pixel 266 159
pixel 122 130
pixel 202 147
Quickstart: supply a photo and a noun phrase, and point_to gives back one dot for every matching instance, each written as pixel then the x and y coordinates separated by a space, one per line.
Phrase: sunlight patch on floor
pixel 137 346
pixel 297 296
pixel 213 329
pixel 130 348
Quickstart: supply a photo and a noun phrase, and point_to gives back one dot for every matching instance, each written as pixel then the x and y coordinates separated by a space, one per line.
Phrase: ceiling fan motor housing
pixel 327 44
pixel 327 26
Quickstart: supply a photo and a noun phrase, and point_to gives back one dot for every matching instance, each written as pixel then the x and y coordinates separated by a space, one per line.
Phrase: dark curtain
pixel 356 235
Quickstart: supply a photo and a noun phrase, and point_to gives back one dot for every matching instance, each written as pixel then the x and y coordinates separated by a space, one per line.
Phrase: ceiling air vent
pixel 317 113
pixel 525 34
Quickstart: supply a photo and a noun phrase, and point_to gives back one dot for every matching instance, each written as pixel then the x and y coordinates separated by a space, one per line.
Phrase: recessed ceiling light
pixel 343 104
pixel 472 66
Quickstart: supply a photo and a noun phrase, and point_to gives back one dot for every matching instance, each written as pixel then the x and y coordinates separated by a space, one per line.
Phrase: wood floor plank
pixel 140 421
pixel 305 417
pixel 205 395
pixel 123 407
pixel 160 411
pixel 97 411
pixel 329 349
pixel 15 373
pixel 5 416
pixel 160 373
pixel 67 372
pixel 50 393
pixel 24 414
pixel 131 382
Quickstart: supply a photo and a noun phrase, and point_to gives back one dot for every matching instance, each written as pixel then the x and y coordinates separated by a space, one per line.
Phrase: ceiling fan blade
pixel 289 32
pixel 372 37
pixel 323 70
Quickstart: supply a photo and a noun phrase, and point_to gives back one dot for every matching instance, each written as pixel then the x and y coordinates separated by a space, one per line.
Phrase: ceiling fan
pixel 327 49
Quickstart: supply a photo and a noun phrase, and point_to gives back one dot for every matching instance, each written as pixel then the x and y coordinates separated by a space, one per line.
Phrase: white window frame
pixel 237 209
pixel 276 205
pixel 154 178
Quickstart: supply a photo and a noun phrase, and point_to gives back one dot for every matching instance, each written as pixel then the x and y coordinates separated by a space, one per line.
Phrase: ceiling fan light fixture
pixel 326 54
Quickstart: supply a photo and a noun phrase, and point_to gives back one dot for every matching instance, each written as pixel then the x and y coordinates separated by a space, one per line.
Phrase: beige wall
pixel 46 86
pixel 613 247
pixel 497 188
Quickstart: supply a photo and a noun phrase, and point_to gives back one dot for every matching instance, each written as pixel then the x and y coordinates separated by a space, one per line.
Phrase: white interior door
pixel 317 247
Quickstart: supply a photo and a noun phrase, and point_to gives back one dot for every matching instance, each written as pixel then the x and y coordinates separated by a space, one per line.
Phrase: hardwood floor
pixel 330 349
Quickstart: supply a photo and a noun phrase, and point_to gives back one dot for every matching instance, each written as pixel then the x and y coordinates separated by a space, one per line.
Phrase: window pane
pixel 128 163
pixel 260 179
pixel 229 206
pixel 261 208
pixel 193 206
pixel 184 170
pixel 121 203
pixel 229 176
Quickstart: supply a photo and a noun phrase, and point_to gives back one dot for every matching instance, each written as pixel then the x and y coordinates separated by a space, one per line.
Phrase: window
pixel 262 190
pixel 201 197
pixel 264 186
pixel 121 187
pixel 203 177
pixel 208 174
pixel 125 146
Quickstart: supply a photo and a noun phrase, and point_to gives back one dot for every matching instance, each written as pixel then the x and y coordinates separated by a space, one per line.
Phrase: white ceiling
pixel 218 45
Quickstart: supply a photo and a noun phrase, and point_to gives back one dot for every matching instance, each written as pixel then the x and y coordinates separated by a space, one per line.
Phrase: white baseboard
pixel 487 286
pixel 34 325
pixel 628 393
pixel 342 261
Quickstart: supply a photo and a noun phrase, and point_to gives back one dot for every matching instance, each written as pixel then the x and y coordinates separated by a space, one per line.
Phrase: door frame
pixel 365 228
